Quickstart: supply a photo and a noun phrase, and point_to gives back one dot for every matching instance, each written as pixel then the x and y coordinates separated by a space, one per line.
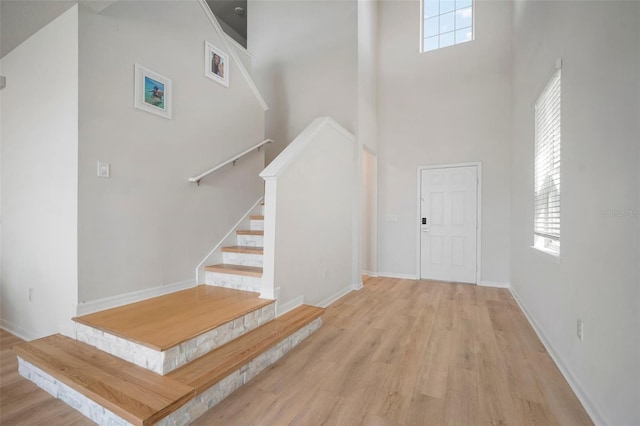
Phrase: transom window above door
pixel 446 23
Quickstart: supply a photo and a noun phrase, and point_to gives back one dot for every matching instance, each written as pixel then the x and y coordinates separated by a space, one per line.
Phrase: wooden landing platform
pixel 166 321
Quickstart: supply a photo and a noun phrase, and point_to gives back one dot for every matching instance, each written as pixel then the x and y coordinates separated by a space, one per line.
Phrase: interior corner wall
pixel 39 180
pixel 304 63
pixel 451 105
pixel 146 226
pixel 597 279
pixel 367 125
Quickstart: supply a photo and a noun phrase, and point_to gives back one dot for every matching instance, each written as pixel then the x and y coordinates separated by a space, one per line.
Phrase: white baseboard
pixel 590 407
pixel 370 274
pixel 358 286
pixel 485 283
pixel 400 276
pixel 132 297
pixel 17 331
pixel 337 295
pixel 289 306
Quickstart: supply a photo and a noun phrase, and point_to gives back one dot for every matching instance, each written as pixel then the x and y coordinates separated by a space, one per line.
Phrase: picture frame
pixel 216 64
pixel 153 92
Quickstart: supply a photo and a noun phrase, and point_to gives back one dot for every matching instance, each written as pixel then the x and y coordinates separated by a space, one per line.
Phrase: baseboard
pixel 337 295
pixel 289 306
pixel 358 286
pixel 400 276
pixel 370 274
pixel 590 407
pixel 132 297
pixel 485 283
pixel 16 330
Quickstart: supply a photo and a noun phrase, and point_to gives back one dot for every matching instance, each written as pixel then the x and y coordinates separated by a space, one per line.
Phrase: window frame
pixel 543 242
pixel 422 28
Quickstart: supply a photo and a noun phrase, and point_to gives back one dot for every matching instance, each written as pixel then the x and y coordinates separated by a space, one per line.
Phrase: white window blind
pixel 547 166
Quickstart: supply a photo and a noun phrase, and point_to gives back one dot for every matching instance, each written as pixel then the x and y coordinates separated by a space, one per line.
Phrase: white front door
pixel 448 223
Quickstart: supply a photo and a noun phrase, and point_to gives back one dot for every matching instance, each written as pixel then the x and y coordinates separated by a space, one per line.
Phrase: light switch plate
pixel 103 169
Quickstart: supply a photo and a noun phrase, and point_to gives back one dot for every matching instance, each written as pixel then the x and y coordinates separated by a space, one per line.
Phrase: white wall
pixel 367 126
pixel 147 226
pixel 446 106
pixel 597 279
pixel 369 222
pixel 312 229
pixel 39 179
pixel 304 63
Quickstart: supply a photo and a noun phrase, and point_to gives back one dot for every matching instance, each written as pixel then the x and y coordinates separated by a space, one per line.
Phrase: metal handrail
pixel 198 178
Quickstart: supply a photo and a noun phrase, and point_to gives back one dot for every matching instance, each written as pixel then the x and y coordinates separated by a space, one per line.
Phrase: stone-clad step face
pixel 166 332
pixel 256 223
pixel 246 256
pixel 247 278
pixel 250 238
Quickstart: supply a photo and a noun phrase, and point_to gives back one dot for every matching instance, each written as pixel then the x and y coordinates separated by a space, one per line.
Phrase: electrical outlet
pixel 580 330
pixel 324 273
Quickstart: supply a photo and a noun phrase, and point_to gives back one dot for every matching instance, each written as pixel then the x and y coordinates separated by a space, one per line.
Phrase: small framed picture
pixel 152 92
pixel 216 64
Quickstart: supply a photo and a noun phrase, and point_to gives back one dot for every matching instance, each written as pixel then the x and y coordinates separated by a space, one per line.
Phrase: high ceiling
pixel 20 19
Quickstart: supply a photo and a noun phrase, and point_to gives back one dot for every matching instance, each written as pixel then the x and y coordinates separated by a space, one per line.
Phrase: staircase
pixel 168 359
pixel 241 266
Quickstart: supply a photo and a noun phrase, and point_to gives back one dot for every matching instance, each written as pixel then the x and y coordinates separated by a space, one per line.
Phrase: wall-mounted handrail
pixel 198 178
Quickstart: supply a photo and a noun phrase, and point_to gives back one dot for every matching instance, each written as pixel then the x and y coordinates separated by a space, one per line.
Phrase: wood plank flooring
pixel 163 322
pixel 397 352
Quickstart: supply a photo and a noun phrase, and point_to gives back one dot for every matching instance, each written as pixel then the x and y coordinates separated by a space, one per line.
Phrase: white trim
pixel 370 274
pixel 17 331
pixel 485 283
pixel 231 231
pixel 588 403
pixel 395 275
pixel 358 286
pixel 478 165
pixel 240 48
pixel 289 306
pixel 233 54
pixel 92 306
pixel 337 295
pixel 269 241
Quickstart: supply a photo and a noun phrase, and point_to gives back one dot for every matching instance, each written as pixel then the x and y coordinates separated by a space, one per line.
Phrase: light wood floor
pixel 397 352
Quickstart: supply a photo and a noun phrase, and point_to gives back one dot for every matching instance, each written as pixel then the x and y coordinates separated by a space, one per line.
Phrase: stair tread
pixel 249 232
pixel 243 249
pixel 131 392
pixel 226 268
pixel 166 321
pixel 256 217
pixel 209 369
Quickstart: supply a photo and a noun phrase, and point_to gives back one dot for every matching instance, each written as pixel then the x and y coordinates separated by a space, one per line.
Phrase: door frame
pixel 478 165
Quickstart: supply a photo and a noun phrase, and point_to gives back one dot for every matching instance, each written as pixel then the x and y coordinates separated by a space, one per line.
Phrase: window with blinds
pixel 547 167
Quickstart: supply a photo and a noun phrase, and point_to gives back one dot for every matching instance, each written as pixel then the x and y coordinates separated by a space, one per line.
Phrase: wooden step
pixel 166 321
pixel 218 364
pixel 250 232
pixel 248 271
pixel 256 217
pixel 131 392
pixel 243 249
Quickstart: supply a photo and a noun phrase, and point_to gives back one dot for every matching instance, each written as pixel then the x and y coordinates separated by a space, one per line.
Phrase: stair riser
pixel 245 259
pixel 251 240
pixel 163 362
pixel 238 282
pixel 256 225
